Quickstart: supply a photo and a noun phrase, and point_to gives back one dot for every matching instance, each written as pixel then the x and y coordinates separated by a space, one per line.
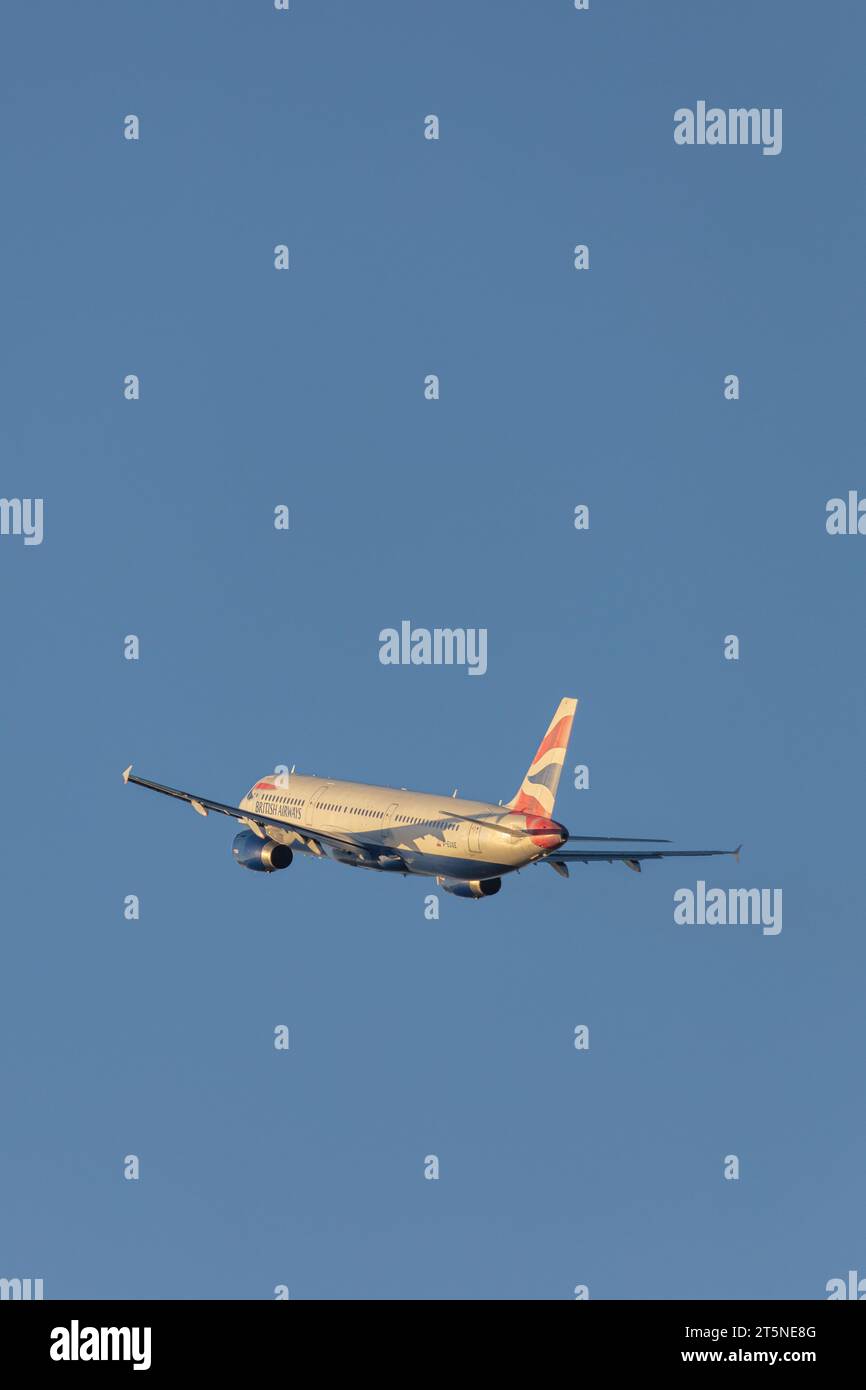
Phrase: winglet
pixel 736 853
pixel 127 772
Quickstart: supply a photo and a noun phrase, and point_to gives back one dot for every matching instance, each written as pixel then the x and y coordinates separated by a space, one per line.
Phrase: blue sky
pixel 258 647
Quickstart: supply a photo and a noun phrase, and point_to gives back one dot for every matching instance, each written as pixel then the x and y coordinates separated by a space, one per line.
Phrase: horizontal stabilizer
pixel 632 858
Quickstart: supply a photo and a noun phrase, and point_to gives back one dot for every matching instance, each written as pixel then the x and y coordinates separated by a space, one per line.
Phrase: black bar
pixel 218 1339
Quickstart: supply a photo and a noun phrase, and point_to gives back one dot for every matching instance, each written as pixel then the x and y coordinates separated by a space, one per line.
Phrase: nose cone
pixel 547 834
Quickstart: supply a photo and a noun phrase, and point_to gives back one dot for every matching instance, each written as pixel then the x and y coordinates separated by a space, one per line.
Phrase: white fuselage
pixel 399 830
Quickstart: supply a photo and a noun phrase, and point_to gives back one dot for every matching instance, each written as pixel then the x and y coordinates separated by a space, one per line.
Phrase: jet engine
pixel 471 888
pixel 262 855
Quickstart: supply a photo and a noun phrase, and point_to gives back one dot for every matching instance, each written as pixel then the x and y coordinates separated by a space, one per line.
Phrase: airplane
pixel 467 846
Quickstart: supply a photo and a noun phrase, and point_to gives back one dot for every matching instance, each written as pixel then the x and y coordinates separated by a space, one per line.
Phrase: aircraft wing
pixel 204 806
pixel 561 858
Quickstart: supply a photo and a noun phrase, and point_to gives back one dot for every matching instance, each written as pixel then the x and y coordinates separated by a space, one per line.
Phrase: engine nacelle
pixel 471 888
pixel 265 856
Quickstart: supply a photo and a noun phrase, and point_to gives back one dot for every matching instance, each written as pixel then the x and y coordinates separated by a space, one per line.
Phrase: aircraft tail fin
pixel 537 794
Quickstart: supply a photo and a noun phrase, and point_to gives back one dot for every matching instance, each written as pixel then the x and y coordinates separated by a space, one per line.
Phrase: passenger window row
pixel 380 815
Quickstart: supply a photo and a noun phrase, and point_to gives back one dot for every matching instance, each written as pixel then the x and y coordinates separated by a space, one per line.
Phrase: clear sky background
pixel 258 647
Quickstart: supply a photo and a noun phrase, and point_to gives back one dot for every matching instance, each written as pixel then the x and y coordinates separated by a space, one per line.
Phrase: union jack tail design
pixel 537 793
